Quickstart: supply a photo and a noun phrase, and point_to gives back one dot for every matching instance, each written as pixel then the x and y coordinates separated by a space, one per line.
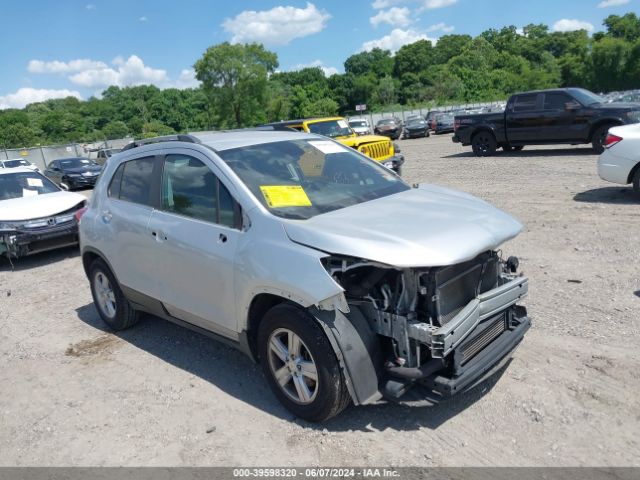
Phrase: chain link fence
pixel 41 156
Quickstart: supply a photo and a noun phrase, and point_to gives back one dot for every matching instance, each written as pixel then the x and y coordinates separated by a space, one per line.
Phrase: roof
pixel 235 139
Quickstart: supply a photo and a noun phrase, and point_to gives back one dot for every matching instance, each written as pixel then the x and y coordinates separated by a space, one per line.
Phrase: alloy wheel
pixel 292 366
pixel 105 295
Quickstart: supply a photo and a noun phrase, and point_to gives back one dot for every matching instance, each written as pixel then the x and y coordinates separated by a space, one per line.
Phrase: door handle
pixel 106 216
pixel 222 238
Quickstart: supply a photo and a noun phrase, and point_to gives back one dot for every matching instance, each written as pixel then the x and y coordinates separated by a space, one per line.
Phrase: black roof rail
pixel 165 138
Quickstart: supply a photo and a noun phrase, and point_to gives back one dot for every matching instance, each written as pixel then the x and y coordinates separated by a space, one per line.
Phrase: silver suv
pixel 344 282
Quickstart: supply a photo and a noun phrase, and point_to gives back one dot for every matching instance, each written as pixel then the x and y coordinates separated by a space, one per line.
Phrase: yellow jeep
pixel 377 147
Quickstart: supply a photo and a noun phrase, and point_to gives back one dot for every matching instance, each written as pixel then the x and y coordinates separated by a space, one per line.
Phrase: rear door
pixel 123 223
pixel 524 119
pixel 195 232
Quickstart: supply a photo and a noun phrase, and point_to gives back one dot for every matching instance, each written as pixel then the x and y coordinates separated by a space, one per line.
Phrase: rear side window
pixel 525 103
pixel 191 189
pixel 132 181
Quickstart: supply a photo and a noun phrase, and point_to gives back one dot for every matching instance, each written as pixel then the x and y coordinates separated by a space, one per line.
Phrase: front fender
pixel 357 349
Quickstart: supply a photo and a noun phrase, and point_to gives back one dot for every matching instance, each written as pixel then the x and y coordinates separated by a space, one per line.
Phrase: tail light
pixel 79 213
pixel 612 140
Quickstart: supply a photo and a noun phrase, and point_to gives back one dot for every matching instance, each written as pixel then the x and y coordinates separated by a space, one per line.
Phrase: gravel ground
pixel 74 394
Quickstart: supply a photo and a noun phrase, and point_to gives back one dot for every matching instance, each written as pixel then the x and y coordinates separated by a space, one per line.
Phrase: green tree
pixel 235 79
pixel 115 129
pixel 377 62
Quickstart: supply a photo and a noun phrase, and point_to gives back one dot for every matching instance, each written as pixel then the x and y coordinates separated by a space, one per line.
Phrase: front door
pixel 195 232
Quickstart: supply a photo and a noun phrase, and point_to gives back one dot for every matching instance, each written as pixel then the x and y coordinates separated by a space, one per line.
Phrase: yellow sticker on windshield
pixel 278 196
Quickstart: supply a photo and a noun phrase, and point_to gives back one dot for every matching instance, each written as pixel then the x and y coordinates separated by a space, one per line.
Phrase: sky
pixel 53 49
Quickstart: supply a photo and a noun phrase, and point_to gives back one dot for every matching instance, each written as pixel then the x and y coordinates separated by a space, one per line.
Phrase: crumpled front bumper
pixel 20 243
pixel 491 359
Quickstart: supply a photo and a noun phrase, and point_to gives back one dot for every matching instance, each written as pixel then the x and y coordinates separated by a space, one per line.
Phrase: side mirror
pixel 570 106
pixel 64 187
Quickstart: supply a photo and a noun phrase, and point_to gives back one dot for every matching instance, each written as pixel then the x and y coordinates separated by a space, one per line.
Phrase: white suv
pixel 345 283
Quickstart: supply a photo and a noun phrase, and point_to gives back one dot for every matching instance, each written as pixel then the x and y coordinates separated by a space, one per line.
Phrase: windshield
pixel 24 184
pixel 357 123
pixel 76 163
pixel 386 122
pixel 16 163
pixel 300 179
pixel 331 128
pixel 585 97
pixel 416 122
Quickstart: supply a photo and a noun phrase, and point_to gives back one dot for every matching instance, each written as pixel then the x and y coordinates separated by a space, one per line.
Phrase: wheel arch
pixel 612 122
pixel 354 344
pixel 483 128
pixel 633 172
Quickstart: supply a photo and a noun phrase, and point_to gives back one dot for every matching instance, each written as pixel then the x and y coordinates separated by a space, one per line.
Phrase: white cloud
pixel 328 71
pixel 612 3
pixel 277 26
pixel 440 27
pixel 569 25
pixel 433 4
pixel 143 19
pixel 26 95
pixel 378 4
pixel 131 71
pixel 38 66
pixel 397 17
pixel 187 79
pixel 396 39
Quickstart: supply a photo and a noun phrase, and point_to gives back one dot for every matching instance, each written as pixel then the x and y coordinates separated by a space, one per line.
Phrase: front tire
pixel 113 307
pixel 484 144
pixel 300 364
pixel 636 184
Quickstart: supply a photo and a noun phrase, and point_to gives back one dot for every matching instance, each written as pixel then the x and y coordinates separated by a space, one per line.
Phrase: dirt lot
pixel 73 394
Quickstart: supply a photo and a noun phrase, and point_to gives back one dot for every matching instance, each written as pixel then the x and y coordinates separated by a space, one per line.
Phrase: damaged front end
pixel 446 328
pixel 22 238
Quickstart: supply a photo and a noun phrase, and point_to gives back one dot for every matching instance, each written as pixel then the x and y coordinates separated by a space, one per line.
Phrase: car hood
pixel 416 126
pixel 422 227
pixel 616 106
pixel 38 206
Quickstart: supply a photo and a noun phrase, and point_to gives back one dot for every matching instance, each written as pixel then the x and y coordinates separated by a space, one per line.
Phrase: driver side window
pixel 191 189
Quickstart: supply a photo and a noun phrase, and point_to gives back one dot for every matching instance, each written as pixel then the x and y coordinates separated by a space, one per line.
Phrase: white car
pixel 360 126
pixel 620 161
pixel 18 162
pixel 35 215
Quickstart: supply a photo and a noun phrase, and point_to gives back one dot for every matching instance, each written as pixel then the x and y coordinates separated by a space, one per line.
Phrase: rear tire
pixel 636 184
pixel 113 307
pixel 300 364
pixel 599 136
pixel 484 144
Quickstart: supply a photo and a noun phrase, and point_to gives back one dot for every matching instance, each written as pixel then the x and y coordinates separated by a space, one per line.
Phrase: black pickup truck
pixel 544 117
